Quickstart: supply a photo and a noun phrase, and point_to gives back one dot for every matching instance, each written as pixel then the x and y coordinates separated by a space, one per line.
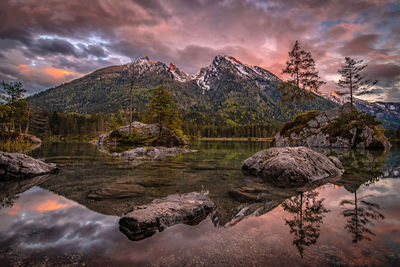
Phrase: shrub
pixel 298 123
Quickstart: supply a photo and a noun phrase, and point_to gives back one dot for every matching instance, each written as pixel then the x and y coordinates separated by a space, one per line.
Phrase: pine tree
pixel 162 111
pixel 303 78
pixel 353 79
pixel 14 109
pixel 132 74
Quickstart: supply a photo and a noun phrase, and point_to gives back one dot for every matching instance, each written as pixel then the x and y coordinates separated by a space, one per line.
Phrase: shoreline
pixel 243 139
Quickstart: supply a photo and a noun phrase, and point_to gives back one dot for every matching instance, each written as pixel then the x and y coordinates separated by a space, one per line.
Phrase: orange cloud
pixel 50 205
pixel 24 68
pixel 58 73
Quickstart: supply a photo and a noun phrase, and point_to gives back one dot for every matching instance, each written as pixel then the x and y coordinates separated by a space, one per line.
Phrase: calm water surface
pixel 351 221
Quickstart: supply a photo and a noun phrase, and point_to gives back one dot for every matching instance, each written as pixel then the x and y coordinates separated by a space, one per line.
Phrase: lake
pixel 351 221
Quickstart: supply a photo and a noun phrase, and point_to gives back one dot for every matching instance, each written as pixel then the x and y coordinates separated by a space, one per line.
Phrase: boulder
pixel 341 127
pixel 292 165
pixel 143 221
pixel 165 138
pixel 17 165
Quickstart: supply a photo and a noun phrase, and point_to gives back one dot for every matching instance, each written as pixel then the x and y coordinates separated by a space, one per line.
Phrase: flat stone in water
pixel 145 220
pixel 117 191
pixel 156 182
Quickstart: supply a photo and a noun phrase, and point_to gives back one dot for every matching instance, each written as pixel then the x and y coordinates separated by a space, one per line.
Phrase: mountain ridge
pixel 225 92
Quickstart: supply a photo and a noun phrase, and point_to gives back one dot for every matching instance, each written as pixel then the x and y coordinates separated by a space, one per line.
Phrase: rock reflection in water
pixel 10 189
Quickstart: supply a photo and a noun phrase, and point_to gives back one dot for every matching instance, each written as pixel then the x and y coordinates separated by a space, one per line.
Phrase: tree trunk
pixel 130 108
pixel 351 90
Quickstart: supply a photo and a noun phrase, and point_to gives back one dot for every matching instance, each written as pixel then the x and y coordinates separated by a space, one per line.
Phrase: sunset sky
pixel 47 42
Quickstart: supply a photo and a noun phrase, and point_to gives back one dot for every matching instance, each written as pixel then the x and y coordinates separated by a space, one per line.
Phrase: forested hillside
pixel 234 95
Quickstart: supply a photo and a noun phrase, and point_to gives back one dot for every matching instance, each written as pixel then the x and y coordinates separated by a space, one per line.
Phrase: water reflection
pixel 306 223
pixel 10 189
pixel 359 214
pixel 47 226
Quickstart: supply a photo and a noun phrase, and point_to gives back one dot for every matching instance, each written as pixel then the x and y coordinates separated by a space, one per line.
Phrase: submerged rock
pixel 17 165
pixel 116 191
pixel 341 127
pixel 145 220
pixel 292 165
pixel 152 152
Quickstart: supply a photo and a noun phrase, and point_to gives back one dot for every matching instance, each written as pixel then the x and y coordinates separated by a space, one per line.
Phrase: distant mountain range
pixel 388 113
pixel 227 92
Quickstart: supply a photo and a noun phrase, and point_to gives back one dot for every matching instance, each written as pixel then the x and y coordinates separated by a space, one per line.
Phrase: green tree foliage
pixel 162 111
pixel 234 100
pixel 13 108
pixel 303 78
pixel 353 79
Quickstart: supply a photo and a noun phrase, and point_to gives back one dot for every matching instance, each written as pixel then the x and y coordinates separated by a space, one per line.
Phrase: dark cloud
pixel 95 50
pixel 385 72
pixel 80 36
pixel 361 45
pixel 375 91
pixel 44 47
pixel 16 34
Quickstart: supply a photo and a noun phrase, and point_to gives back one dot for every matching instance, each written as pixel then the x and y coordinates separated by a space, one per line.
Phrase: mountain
pixel 388 113
pixel 225 92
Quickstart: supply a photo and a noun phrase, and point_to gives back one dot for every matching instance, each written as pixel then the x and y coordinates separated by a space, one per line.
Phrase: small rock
pixel 117 191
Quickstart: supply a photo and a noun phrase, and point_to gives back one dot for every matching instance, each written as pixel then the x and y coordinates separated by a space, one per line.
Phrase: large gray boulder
pixel 292 165
pixel 342 127
pixel 17 165
pixel 143 221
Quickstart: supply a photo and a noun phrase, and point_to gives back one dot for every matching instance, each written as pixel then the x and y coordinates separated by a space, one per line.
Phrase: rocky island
pixel 150 142
pixel 342 127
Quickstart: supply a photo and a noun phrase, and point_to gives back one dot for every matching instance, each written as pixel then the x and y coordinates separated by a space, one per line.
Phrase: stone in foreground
pixel 17 165
pixel 145 220
pixel 292 165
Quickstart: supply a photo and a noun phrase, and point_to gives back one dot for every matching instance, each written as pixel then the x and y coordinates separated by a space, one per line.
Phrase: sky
pixel 44 43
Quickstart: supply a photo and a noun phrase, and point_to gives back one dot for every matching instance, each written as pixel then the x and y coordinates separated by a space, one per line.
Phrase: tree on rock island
pixel 162 111
pixel 303 78
pixel 13 107
pixel 353 79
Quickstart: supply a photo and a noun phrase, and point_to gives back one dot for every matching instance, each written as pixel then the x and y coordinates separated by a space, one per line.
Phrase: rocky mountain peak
pixel 207 76
pixel 179 75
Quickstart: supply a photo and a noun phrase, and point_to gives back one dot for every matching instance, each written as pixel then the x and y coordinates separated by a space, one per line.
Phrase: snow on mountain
pixel 179 75
pixel 387 111
pixel 207 76
pixel 145 65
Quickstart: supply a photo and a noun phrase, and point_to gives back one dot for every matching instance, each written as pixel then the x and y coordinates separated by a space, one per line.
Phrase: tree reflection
pixel 308 214
pixel 360 217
